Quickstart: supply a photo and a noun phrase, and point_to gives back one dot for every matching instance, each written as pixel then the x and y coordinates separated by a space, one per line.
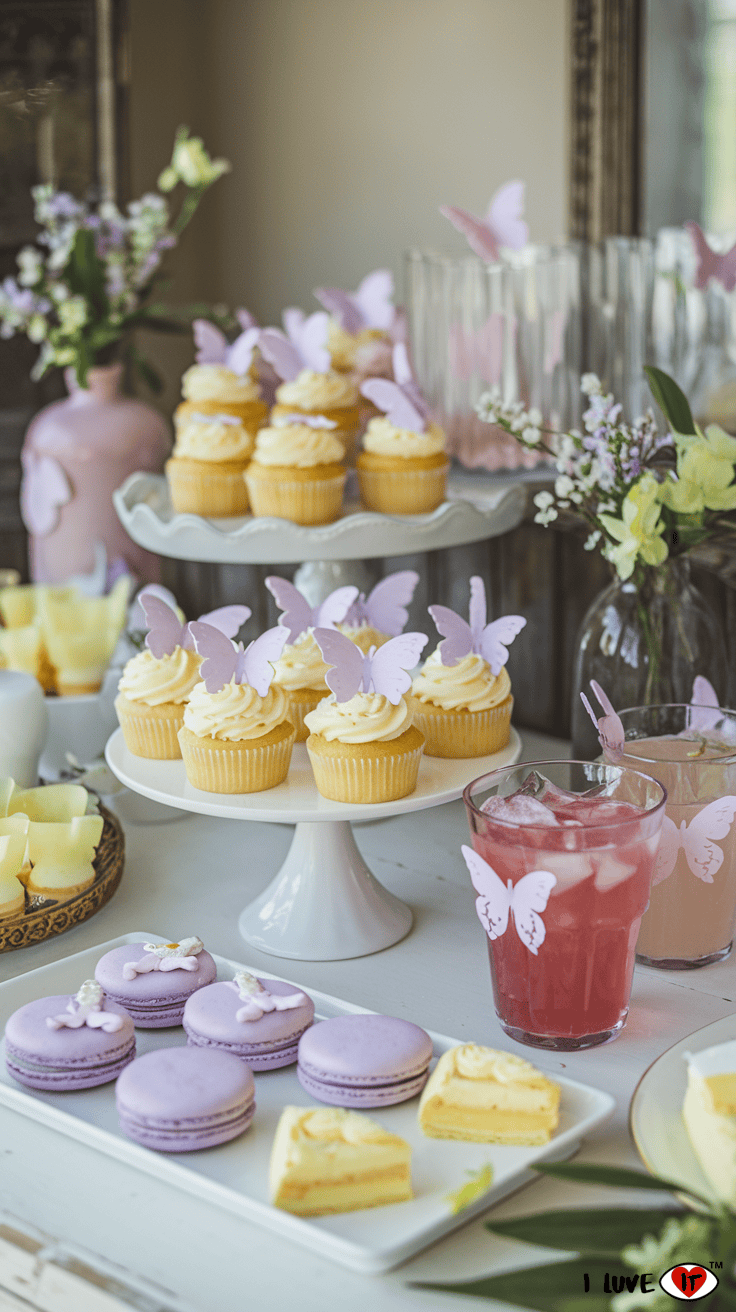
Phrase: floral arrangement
pixel 88 281
pixel 646 496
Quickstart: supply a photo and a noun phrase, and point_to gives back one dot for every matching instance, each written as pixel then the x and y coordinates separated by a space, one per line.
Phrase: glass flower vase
pixel 644 641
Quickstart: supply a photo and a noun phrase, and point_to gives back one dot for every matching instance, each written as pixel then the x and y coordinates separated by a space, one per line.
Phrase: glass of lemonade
pixel 562 859
pixel 692 911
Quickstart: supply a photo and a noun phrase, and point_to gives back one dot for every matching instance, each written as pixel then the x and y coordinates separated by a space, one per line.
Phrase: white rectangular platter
pixel 235 1175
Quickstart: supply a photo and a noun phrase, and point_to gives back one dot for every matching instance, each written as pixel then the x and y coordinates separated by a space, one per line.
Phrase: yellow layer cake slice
pixel 709 1113
pixel 332 1160
pixel 485 1096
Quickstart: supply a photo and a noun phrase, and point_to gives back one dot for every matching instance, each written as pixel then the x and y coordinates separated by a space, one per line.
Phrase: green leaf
pixel 556 1287
pixel 671 400
pixel 86 273
pixel 82 364
pixel 619 1177
pixel 479 1183
pixel 587 1230
pixel 147 372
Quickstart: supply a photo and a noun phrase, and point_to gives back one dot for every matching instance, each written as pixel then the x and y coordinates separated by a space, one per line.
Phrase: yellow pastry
pixel 13 847
pixel 61 856
pixel 332 1160
pixel 330 394
pixel 709 1113
pixel 484 1096
pixel 463 710
pixel 152 694
pixel 297 473
pixel 215 429
pixel 364 749
pixel 401 472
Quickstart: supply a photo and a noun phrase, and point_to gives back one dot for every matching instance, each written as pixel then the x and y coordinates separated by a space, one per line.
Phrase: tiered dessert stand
pixel 324 904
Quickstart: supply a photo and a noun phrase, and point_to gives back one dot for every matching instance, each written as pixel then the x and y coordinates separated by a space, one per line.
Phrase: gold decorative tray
pixel 33 926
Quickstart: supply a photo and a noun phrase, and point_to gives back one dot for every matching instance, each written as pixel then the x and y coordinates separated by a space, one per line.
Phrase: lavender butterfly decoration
pixel 44 489
pixel 385 607
pixel 310 421
pixel 213 347
pixel 401 400
pixel 303 346
pixel 166 631
pixel 383 670
pixel 609 728
pixel 712 264
pixel 223 661
pixel 370 306
pixel 502 225
pixel 297 615
pixel 704 714
pixel 491 641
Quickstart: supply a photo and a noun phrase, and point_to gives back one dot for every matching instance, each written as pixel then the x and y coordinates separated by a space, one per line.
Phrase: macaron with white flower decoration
pixel 152 981
pixel 64 1042
pixel 259 1020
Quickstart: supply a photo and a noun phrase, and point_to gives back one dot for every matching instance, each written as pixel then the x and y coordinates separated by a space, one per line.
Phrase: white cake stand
pixel 324 904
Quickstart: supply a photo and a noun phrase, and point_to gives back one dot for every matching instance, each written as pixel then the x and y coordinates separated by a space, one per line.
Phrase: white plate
pixel 297 798
pixel 234 1175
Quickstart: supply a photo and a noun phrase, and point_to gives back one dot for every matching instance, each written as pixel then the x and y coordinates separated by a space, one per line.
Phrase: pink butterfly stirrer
pixel 302 346
pixel 712 264
pixel 609 728
pixel 704 701
pixel 297 615
pixel 383 670
pixel 502 225
pixel 491 641
pixel 400 400
pixel 166 631
pixel 224 662
pixel 385 607
pixel 370 306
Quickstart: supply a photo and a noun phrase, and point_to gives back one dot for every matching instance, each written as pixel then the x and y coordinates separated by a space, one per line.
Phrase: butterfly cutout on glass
pixel 502 225
pixel 491 641
pixel 166 631
pixel 478 352
pixel 712 264
pixel 302 346
pixel 385 607
pixel 371 306
pixel 224 662
pixel 400 400
pixel 44 489
pixel 704 713
pixel 696 840
pixel 524 900
pixel 383 670
pixel 609 728
pixel 214 348
pixel 296 613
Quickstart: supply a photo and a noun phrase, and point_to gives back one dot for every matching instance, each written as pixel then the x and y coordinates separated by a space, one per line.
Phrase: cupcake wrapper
pixel 318 502
pixel 251 767
pixel 152 734
pixel 403 492
pixel 460 734
pixel 365 778
pixel 197 488
pixel 301 702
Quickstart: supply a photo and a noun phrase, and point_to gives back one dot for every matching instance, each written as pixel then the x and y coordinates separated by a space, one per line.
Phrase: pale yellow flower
pixel 191 165
pixel 705 472
pixel 638 532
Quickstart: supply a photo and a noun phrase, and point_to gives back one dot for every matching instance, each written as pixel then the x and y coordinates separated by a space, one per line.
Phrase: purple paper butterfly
pixel 44 489
pixel 491 641
pixel 501 226
pixel 369 307
pixel 297 614
pixel 303 346
pixel 385 606
pixel 609 728
pixel 712 264
pixel 383 670
pixel 401 400
pixel 213 347
pixel 704 701
pixel 166 632
pixel 224 661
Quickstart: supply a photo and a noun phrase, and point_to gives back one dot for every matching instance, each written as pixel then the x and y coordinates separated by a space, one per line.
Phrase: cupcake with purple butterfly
pixel 381 614
pixel 363 325
pixel 157 683
pixel 236 736
pixel 362 743
pixel 403 466
pixel 461 700
pixel 300 670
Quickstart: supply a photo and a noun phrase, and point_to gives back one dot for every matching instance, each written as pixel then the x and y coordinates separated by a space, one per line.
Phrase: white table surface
pixel 194 876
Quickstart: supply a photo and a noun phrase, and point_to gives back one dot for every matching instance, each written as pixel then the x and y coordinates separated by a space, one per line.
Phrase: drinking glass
pixel 691 750
pixel 562 894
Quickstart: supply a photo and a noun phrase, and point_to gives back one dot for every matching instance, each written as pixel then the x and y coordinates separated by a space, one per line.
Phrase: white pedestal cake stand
pixel 324 904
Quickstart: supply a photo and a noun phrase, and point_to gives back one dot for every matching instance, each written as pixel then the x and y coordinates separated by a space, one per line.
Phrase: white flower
pixel 30 264
pixel 590 384
pixel 591 542
pixel 193 166
pixel 530 435
pixel 535 417
pixel 564 486
pixel 37 328
pixel 545 504
pixel 73 314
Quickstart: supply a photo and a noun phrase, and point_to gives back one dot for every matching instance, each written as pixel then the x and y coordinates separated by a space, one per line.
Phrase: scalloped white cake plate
pixel 234 1176
pixel 144 508
pixel 324 904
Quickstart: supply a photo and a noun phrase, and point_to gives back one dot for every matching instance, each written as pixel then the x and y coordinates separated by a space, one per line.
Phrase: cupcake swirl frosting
pixel 368 717
pixel 153 680
pixel 213 382
pixel 298 445
pixel 236 713
pixel 470 685
pixel 301 665
pixel 314 392
pixel 383 438
pixel 364 636
pixel 211 437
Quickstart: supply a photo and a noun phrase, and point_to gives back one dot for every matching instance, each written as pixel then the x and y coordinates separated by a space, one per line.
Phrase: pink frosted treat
pixel 260 1020
pixel 153 980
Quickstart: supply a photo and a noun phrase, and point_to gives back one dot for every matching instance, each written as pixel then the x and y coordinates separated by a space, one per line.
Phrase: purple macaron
pixel 177 1100
pixel 364 1060
pixel 65 1042
pixel 152 981
pixel 260 1020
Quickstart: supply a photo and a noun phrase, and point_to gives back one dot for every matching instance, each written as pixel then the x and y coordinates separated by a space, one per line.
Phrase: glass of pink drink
pixel 562 860
pixel 692 911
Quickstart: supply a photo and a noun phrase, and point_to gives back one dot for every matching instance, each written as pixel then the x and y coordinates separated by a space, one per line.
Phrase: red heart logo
pixel 689 1278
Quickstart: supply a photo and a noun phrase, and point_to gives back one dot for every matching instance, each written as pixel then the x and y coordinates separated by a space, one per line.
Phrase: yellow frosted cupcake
pixel 215 429
pixel 300 670
pixel 403 466
pixel 297 472
pixel 310 386
pixel 236 737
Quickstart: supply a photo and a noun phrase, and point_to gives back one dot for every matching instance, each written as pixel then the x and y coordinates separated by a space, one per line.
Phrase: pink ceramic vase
pixel 76 453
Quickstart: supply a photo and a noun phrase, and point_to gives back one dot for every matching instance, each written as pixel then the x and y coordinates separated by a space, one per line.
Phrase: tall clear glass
pixel 692 751
pixel 562 894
